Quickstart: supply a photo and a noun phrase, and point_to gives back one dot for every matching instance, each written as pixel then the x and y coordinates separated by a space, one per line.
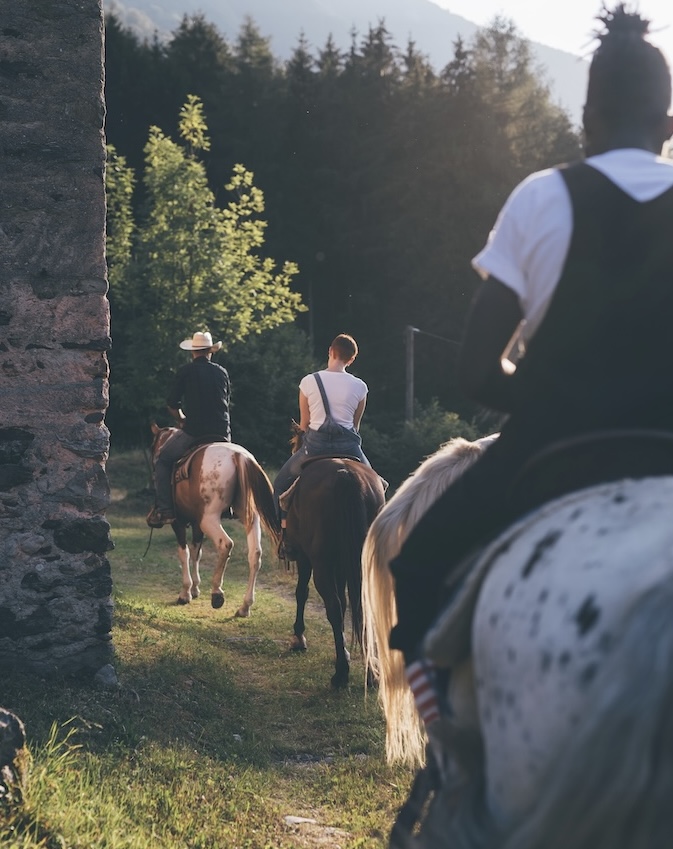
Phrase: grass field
pixel 218 736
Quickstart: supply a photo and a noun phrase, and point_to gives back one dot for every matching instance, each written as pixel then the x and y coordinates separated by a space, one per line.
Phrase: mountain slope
pixel 433 29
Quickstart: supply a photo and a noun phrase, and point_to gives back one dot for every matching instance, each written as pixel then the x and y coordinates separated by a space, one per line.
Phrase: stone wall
pixel 55 585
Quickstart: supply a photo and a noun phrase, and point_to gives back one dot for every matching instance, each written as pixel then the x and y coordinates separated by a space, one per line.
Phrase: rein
pixel 150 463
pixel 149 543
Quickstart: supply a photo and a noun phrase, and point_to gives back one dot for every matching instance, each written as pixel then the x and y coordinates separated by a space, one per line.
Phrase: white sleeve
pixel 526 249
pixel 363 389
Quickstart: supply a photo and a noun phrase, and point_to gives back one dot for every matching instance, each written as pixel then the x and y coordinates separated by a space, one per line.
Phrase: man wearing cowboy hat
pixel 199 402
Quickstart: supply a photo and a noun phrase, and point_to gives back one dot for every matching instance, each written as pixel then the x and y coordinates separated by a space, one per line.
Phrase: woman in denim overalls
pixel 334 431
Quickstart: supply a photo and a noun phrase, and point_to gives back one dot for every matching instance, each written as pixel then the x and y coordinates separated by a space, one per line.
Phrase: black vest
pixel 603 355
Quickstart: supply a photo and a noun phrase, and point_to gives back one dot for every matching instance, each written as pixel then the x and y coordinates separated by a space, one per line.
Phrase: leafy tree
pixel 119 185
pixel 190 265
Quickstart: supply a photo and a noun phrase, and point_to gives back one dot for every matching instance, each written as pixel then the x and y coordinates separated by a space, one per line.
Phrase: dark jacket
pixel 201 389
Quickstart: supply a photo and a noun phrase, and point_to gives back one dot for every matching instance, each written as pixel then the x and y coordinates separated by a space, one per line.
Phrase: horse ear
pixel 155 428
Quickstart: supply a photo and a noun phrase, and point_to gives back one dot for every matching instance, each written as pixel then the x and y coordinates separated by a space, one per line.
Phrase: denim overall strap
pixel 323 395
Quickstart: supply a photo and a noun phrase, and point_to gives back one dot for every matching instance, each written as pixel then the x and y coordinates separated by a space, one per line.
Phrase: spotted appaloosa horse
pixel 560 650
pixel 333 504
pixel 222 475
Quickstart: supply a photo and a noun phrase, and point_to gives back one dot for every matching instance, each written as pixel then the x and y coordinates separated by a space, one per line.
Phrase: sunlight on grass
pixel 217 732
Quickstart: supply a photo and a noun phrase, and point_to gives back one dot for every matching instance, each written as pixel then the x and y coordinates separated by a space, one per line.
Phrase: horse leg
pixel 185 595
pixel 334 598
pixel 301 594
pixel 195 549
pixel 210 525
pixel 180 531
pixel 254 539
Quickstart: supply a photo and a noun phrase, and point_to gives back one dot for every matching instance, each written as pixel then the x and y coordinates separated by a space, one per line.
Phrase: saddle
pixel 567 466
pixel 335 456
pixel 285 498
pixel 181 468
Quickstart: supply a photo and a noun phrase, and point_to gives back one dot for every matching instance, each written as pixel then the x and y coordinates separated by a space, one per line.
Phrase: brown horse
pixel 220 476
pixel 334 502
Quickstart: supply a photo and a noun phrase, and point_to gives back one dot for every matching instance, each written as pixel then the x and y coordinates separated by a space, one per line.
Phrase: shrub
pixel 396 452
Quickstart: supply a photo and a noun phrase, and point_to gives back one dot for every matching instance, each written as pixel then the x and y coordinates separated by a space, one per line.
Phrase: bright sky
pixel 568 24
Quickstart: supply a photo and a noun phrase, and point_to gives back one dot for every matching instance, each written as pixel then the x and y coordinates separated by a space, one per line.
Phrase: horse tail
pixel 405 737
pixel 612 786
pixel 258 495
pixel 350 505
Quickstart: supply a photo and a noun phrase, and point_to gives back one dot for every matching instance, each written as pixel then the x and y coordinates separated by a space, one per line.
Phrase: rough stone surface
pixel 106 678
pixel 55 584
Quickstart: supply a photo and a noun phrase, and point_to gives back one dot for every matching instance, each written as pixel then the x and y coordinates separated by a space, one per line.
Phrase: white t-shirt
pixel 526 250
pixel 344 392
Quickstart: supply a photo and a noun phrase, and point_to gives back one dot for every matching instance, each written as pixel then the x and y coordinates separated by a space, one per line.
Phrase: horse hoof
pixel 339 682
pixel 217 600
pixel 242 613
pixel 182 600
pixel 298 644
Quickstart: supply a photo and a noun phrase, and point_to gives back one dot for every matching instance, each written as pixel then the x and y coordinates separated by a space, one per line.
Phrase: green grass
pixel 217 733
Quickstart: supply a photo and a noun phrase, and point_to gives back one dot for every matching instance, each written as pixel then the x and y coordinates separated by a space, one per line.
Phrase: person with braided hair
pixel 579 266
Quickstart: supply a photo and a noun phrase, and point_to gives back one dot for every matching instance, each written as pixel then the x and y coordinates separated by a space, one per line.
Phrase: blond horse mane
pixel 405 736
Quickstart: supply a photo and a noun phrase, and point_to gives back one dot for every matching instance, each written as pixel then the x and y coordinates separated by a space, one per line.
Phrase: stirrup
pixel 157 518
pixel 285 552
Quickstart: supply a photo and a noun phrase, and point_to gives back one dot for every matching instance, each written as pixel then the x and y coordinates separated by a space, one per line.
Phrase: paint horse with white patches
pixel 560 651
pixel 220 476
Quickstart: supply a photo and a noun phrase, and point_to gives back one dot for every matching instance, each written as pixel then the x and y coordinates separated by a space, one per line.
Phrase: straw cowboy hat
pixel 201 342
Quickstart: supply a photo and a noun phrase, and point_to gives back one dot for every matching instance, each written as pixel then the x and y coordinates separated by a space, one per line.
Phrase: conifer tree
pixel 382 176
